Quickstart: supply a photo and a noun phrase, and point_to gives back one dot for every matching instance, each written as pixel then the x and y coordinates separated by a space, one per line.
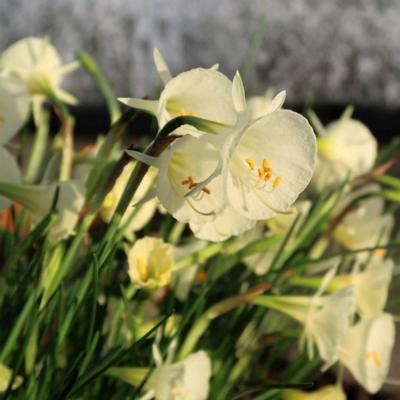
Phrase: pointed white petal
pixel 238 93
pixel 149 106
pixel 161 66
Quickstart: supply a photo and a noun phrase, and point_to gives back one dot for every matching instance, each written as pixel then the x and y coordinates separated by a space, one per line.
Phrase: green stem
pixel 38 148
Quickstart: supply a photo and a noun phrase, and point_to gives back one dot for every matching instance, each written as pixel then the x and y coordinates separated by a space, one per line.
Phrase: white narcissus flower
pixel 365 226
pixel 9 172
pixel 188 379
pixel 38 199
pixel 150 263
pixel 135 217
pixel 345 147
pixel 372 286
pixel 182 166
pixel 325 318
pixel 204 93
pixel 366 350
pixel 14 107
pixel 330 392
pixel 36 61
pixel 5 377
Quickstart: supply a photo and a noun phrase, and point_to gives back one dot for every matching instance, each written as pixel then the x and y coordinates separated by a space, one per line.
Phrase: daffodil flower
pixel 185 380
pixel 366 350
pixel 14 107
pixel 266 164
pixel 183 165
pixel 38 64
pixel 329 392
pixel 325 318
pixel 345 147
pixel 366 225
pixel 150 263
pixel 38 199
pixel 372 286
pixel 135 218
pixel 204 93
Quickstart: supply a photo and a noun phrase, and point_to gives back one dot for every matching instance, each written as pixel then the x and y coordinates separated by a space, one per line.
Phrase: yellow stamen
pixel 191 183
pixel 265 164
pixel 375 357
pixel 267 177
pixel 251 163
pixel 183 112
pixel 2 119
pixel 206 190
pixel 143 271
pixel 277 182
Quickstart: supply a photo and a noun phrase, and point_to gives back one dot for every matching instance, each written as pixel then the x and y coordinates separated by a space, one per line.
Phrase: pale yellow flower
pixel 5 376
pixel 150 263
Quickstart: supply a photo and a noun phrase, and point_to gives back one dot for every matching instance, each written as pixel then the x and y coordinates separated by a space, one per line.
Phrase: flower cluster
pixel 237 253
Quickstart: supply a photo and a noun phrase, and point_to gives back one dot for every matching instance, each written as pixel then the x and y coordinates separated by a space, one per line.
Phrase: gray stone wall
pixel 336 50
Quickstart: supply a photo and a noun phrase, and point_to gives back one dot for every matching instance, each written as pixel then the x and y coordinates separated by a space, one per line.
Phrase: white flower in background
pixel 345 147
pixel 203 93
pixel 5 377
pixel 366 225
pixel 325 318
pixel 14 107
pixel 39 200
pixel 372 286
pixel 366 350
pixel 9 172
pixel 330 392
pixel 185 380
pixel 135 217
pixel 258 106
pixel 36 61
pixel 150 263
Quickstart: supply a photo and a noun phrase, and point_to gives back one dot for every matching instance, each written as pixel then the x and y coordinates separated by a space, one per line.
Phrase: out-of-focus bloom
pixel 366 350
pixel 372 286
pixel 366 225
pixel 150 263
pixel 204 93
pixel 330 392
pixel 188 379
pixel 135 217
pixel 39 200
pixel 5 377
pixel 36 61
pixel 345 147
pixel 325 318
pixel 9 172
pixel 258 106
pixel 14 107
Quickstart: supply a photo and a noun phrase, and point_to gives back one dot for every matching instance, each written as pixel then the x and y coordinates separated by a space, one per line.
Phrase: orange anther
pixel 250 163
pixel 265 163
pixel 206 190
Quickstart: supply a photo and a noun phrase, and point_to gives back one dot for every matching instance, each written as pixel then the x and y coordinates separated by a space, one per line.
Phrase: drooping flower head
pixel 366 350
pixel 36 61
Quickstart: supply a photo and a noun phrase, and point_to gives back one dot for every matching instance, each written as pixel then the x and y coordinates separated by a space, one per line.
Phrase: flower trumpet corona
pixel 366 350
pixel 150 263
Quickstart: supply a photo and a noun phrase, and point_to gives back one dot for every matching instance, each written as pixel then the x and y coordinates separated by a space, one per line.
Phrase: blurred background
pixel 327 54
